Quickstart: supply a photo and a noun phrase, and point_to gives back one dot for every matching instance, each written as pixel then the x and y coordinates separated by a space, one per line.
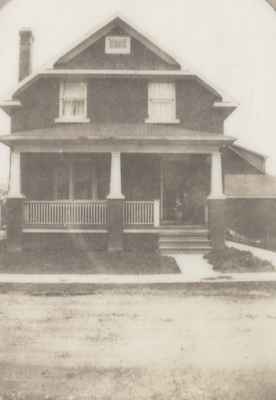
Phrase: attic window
pixel 117 45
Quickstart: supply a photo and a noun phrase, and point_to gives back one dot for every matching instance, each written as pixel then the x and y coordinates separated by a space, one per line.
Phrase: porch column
pixel 14 204
pixel 216 203
pixel 116 205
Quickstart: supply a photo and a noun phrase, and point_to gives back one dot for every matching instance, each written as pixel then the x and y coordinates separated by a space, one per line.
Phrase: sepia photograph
pixel 137 200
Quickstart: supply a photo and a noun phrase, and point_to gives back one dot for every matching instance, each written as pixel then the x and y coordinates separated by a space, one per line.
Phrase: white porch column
pixel 216 204
pixel 115 191
pixel 216 177
pixel 15 205
pixel 15 175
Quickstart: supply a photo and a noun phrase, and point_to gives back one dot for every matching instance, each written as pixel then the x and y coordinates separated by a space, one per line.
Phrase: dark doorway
pixel 186 186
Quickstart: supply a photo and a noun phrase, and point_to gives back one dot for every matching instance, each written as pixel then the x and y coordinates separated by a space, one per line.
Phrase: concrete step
pixel 186 233
pixel 184 239
pixel 189 250
pixel 181 239
pixel 184 246
pixel 178 226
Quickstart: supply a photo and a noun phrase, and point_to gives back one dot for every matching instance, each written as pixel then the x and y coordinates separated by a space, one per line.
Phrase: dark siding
pixel 252 218
pixel 117 101
pixel 94 57
pixel 194 107
pixel 40 107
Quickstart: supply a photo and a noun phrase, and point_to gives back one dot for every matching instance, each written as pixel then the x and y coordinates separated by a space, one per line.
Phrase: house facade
pixel 117 146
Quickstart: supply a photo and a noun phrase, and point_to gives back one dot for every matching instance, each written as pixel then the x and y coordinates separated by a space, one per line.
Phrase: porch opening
pixel 185 186
pixel 72 189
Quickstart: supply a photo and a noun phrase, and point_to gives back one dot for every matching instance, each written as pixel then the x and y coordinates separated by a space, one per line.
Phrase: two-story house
pixel 116 146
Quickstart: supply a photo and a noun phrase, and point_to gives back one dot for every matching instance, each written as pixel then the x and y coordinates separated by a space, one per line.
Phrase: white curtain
pixel 73 99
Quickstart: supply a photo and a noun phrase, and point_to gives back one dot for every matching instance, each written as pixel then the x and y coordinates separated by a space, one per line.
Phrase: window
pixel 161 103
pixel 117 45
pixel 73 102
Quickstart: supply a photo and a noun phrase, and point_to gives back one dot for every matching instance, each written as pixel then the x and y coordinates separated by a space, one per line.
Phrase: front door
pixel 185 190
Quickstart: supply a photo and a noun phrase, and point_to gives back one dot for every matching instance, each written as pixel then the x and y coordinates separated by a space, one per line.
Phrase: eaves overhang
pixel 9 106
pixel 216 140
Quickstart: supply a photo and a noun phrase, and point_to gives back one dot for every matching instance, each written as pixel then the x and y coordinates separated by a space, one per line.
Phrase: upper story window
pixel 73 102
pixel 117 45
pixel 162 102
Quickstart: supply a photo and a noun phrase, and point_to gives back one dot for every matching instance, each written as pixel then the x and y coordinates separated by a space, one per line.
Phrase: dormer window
pixel 73 102
pixel 117 45
pixel 161 102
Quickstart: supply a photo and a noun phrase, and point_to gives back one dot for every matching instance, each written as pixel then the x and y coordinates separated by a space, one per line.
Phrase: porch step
pixel 169 241
pixel 184 240
pixel 192 250
pixel 184 233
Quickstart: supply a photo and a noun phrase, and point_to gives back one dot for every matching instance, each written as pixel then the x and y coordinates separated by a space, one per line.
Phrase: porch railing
pixel 88 212
pixel 142 213
pixel 66 212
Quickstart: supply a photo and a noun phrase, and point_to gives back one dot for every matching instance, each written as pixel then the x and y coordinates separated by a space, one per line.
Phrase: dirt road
pixel 139 344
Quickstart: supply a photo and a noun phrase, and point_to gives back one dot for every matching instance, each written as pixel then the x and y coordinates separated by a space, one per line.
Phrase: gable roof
pixel 117 22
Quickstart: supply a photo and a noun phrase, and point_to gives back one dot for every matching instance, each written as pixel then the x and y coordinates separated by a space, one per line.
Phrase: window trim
pixel 71 119
pixel 149 119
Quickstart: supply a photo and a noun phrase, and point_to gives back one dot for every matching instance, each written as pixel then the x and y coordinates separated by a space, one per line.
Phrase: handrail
pixel 65 212
pixel 142 212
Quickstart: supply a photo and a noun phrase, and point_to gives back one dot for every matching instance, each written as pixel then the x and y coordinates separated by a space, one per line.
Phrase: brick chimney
pixel 25 53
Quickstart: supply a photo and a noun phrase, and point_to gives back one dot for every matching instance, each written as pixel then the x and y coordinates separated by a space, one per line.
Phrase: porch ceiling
pixel 115 133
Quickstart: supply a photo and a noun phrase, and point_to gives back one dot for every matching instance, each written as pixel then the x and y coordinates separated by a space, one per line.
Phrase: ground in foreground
pixel 189 344
pixel 84 262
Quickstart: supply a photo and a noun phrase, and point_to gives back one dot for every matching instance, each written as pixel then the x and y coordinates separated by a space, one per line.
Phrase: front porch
pixel 71 191
pixel 118 194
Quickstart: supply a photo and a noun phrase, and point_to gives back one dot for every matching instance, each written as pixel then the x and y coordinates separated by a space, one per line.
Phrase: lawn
pixel 231 260
pixel 81 262
pixel 192 344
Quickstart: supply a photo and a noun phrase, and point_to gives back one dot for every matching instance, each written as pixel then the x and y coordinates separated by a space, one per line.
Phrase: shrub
pixel 231 259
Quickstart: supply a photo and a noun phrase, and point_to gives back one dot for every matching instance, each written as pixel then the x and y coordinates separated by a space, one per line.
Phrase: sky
pixel 231 43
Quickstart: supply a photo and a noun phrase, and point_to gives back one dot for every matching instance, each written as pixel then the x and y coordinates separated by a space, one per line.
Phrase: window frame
pixel 122 51
pixel 153 119
pixel 77 118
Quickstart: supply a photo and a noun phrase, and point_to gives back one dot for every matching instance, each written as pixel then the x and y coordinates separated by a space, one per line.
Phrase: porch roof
pixel 78 133
pixel 250 186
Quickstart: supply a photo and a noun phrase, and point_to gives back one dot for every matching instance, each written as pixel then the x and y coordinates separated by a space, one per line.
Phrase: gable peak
pixel 115 22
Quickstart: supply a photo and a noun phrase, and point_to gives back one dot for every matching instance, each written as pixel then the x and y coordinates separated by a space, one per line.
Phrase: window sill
pixel 171 121
pixel 72 120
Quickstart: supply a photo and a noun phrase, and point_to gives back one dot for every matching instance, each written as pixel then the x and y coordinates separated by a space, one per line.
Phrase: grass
pixel 231 259
pixel 83 262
